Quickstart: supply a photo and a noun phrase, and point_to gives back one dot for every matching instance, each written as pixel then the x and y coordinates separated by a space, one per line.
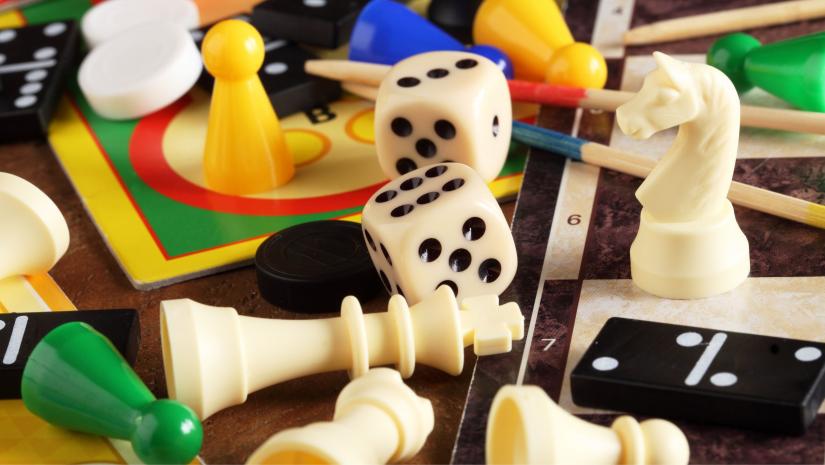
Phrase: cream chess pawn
pixel 526 427
pixel 689 245
pixel 34 235
pixel 377 420
pixel 213 358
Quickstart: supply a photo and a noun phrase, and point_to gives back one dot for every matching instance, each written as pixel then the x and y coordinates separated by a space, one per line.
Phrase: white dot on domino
pixel 605 363
pixel 54 29
pixel 25 101
pixel 315 3
pixel 31 88
pixel 808 354
pixel 707 357
pixel 36 75
pixel 7 35
pixel 723 379
pixel 689 339
pixel 270 45
pixel 45 53
pixel 2 58
pixel 275 68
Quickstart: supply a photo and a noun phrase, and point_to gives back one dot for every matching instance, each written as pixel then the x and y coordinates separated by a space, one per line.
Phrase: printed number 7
pixel 549 342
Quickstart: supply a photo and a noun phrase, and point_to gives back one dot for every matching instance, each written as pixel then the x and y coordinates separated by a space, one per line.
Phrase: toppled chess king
pixel 214 358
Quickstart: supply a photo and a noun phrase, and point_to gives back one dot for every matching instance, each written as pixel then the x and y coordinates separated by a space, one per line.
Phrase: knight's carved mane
pixel 715 91
pixel 710 137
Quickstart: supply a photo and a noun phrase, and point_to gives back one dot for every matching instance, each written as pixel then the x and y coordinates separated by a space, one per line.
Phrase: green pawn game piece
pixel 793 70
pixel 77 380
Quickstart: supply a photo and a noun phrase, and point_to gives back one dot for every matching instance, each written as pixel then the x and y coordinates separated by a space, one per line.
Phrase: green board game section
pixel 55 10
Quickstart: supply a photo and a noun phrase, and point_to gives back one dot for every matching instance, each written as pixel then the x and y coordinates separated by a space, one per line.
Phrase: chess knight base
pixel 690 260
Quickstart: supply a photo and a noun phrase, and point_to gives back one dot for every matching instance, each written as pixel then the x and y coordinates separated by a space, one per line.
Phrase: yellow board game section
pixel 86 165
pixel 25 438
pixel 319 171
pixel 11 19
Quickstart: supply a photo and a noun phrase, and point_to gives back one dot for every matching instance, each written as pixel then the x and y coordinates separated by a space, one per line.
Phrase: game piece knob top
pixel 233 49
pixel 578 65
pixel 168 432
pixel 728 55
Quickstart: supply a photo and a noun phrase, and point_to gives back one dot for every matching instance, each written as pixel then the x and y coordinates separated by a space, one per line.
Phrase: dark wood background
pixel 92 279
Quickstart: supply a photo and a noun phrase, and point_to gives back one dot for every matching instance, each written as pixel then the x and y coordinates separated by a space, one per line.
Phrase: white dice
pixel 441 107
pixel 439 225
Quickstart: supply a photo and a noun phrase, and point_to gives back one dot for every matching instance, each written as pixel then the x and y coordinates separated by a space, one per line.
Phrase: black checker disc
pixel 311 267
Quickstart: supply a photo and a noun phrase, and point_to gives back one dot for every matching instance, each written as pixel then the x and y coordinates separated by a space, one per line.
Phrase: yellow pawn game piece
pixel 536 38
pixel 245 149
pixel 577 65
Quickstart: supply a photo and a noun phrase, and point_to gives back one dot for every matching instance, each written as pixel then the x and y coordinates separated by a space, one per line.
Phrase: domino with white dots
pixel 319 23
pixel 703 375
pixel 34 65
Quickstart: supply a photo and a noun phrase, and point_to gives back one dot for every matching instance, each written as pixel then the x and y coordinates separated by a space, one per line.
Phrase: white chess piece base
pixel 690 260
pixel 34 234
pixel 526 427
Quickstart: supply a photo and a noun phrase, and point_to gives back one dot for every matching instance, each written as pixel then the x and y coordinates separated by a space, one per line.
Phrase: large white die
pixel 437 225
pixel 440 107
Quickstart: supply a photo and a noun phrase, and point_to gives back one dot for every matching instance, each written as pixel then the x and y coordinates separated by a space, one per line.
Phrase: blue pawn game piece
pixel 387 32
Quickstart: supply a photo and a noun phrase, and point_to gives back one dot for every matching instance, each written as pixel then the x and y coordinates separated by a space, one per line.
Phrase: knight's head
pixel 668 98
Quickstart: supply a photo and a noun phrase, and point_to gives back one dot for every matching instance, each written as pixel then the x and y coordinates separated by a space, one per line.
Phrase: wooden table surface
pixel 92 279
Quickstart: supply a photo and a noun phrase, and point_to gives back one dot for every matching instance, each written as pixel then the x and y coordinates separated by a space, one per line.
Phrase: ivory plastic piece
pixel 526 427
pixel 213 358
pixel 377 420
pixel 140 71
pixel 108 19
pixel 689 245
pixel 464 92
pixel 34 234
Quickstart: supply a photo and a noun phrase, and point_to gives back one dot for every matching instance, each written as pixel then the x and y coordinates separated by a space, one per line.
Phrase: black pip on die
pixel 441 107
pixel 439 225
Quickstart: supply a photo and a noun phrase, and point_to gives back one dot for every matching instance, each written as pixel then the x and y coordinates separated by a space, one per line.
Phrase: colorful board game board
pixel 142 182
pixel 574 224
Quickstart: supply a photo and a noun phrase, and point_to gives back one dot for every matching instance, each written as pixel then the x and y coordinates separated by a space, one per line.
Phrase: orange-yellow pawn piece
pixel 245 149
pixel 577 65
pixel 536 38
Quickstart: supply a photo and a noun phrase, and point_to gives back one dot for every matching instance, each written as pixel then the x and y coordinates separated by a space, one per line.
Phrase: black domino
pixel 323 23
pixel 703 375
pixel 20 333
pixel 35 62
pixel 290 89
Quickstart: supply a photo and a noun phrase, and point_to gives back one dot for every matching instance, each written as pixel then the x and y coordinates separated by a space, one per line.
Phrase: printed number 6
pixel 574 219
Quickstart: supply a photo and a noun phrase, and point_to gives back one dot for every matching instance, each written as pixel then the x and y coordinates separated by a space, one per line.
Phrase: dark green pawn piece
pixel 77 380
pixel 793 70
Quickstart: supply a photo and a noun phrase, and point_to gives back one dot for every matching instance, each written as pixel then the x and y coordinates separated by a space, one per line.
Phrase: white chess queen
pixel 689 244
